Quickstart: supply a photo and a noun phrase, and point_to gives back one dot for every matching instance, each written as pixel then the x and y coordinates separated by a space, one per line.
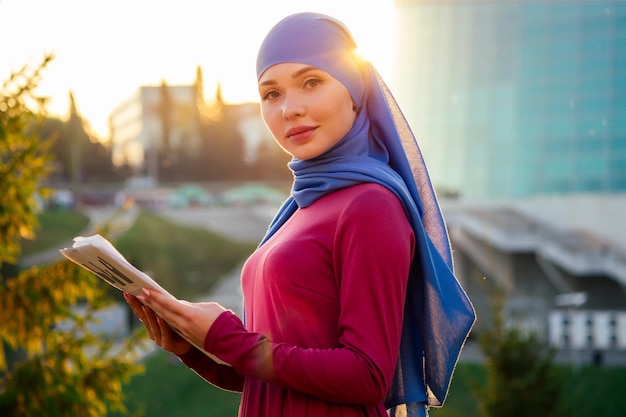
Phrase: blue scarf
pixel 380 148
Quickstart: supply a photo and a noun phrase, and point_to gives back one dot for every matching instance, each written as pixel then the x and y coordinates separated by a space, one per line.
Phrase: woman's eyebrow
pixel 303 70
pixel 294 75
pixel 267 82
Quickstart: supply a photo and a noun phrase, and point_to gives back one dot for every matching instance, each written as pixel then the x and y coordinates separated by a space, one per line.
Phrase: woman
pixel 351 306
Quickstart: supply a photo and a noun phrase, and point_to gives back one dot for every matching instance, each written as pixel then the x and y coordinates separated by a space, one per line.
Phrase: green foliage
pixel 590 391
pixel 522 379
pixel 23 159
pixel 65 372
pixel 78 154
pixel 50 364
pixel 462 400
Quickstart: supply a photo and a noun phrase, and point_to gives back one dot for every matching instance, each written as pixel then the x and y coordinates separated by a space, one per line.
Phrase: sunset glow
pixel 106 50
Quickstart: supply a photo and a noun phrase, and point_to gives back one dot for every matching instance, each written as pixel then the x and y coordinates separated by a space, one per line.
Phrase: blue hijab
pixel 381 148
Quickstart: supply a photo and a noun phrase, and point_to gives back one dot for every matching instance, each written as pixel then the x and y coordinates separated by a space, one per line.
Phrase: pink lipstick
pixel 300 133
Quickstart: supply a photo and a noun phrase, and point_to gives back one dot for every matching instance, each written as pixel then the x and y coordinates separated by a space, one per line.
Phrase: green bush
pixel 522 379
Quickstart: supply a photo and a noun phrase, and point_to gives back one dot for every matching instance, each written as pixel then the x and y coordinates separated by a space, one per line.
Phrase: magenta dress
pixel 324 301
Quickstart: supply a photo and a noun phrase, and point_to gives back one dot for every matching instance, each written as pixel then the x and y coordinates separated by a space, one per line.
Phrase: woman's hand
pixel 158 330
pixel 193 320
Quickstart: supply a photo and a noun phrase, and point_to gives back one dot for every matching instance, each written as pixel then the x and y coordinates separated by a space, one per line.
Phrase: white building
pixel 137 125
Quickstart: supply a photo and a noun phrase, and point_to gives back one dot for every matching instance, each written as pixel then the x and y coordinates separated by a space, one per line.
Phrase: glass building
pixel 515 98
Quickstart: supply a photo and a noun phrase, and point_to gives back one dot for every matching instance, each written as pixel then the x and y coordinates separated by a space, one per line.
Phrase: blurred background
pixel 519 108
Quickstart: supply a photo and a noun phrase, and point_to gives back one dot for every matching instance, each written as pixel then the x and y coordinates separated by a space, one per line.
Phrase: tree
pixel 24 159
pixel 45 369
pixel 77 155
pixel 221 153
pixel 521 377
pixel 78 139
pixel 271 163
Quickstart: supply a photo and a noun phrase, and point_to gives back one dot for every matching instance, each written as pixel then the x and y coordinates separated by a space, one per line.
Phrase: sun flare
pixel 104 61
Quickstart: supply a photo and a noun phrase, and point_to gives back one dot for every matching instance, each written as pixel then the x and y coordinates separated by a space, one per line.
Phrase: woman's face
pixel 306 109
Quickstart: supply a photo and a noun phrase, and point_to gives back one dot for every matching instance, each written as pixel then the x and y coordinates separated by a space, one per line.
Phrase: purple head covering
pixel 381 148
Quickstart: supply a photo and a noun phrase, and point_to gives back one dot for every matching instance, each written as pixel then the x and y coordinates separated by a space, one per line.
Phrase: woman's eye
pixel 270 95
pixel 312 82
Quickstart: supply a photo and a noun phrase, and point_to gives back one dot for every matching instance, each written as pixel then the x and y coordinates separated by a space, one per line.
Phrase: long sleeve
pixel 325 300
pixel 222 376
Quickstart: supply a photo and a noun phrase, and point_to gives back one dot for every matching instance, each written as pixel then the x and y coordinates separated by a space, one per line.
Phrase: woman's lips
pixel 300 133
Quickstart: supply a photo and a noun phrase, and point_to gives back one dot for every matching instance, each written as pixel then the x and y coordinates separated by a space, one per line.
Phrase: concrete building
pixel 560 262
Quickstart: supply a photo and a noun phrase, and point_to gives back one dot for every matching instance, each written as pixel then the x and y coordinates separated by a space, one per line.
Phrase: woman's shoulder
pixel 368 191
pixel 366 206
pixel 370 206
pixel 366 196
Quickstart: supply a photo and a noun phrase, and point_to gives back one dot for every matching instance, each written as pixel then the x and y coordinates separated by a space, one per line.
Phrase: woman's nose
pixel 292 106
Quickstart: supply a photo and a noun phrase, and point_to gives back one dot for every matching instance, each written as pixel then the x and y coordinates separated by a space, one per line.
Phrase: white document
pixel 99 256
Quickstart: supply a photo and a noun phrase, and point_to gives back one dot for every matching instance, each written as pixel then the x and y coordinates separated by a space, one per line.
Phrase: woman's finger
pixel 152 324
pixel 171 340
pixel 167 334
pixel 135 306
pixel 193 320
pixel 158 329
pixel 169 309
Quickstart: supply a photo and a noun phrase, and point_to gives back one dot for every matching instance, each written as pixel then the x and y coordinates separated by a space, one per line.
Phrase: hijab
pixel 380 148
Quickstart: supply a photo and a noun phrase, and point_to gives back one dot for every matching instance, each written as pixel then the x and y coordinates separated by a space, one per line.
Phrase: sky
pixel 105 50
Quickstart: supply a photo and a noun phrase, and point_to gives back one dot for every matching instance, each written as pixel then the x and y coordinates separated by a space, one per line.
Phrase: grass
pixel 185 260
pixel 168 388
pixel 461 401
pixel 588 392
pixel 55 228
pixel 597 391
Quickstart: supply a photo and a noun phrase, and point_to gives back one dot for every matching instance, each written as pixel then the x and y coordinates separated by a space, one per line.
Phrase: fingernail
pixel 145 292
